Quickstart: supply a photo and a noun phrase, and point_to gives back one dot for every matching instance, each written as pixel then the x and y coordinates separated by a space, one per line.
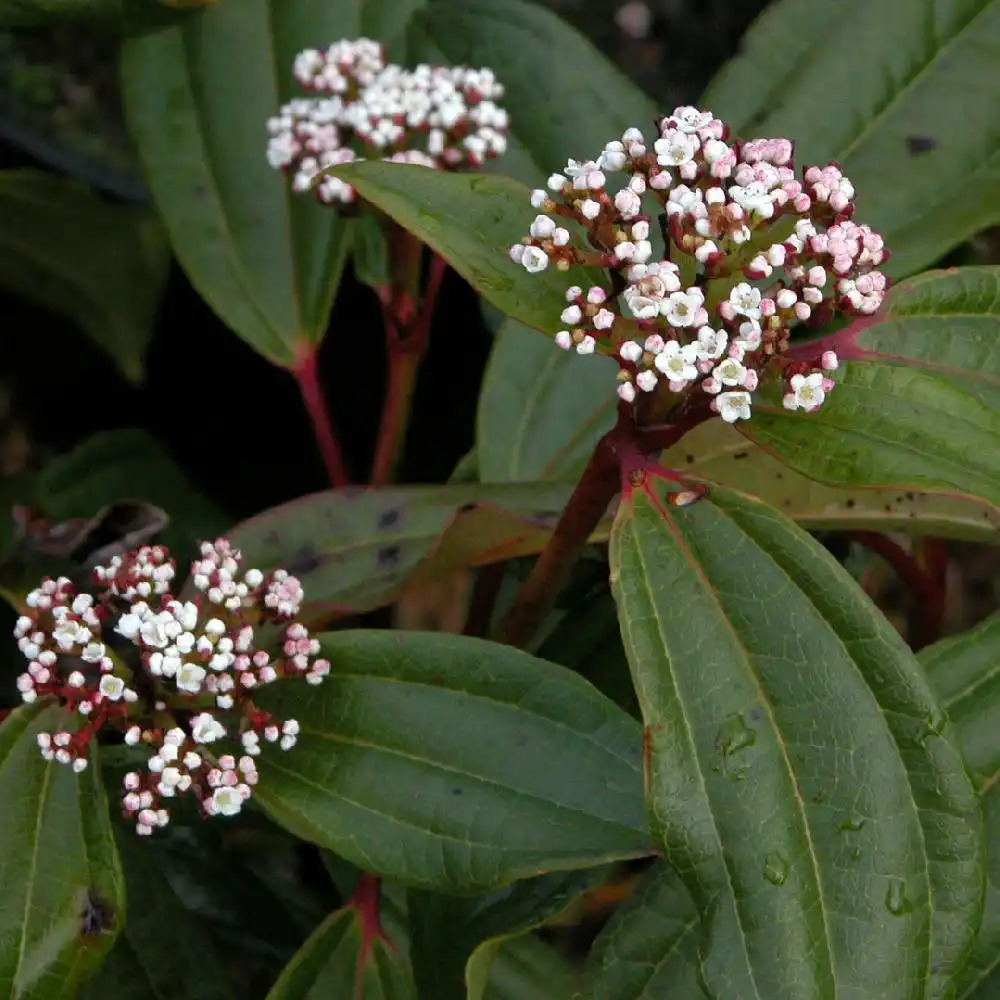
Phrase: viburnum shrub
pixel 612 714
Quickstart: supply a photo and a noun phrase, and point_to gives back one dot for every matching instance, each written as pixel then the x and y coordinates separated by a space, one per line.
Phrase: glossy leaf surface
pixel 266 261
pixel 874 85
pixel 61 893
pixel 800 774
pixel 467 722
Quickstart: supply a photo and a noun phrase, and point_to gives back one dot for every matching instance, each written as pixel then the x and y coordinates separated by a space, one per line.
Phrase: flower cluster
pixel 443 117
pixel 196 665
pixel 750 251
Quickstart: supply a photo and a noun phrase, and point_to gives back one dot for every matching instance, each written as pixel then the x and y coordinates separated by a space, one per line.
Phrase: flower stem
pixel 588 503
pixel 620 452
pixel 307 376
pixel 926 586
pixel 407 333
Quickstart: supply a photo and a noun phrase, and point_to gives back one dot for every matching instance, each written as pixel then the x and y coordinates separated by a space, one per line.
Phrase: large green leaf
pixel 338 961
pixel 965 672
pixel 61 893
pixel 919 406
pixel 471 220
pixel 874 85
pixel 468 723
pixel 355 549
pixel 541 410
pixel 566 99
pixel 197 96
pixel 717 451
pixel 649 950
pixel 102 265
pixel 526 968
pixel 161 926
pixel 455 939
pixel 801 776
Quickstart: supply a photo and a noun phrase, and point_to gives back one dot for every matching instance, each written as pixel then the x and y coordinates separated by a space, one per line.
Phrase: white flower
pixel 681 308
pixel 733 406
pixel 586 345
pixel 689 119
pixel 626 391
pixel 604 319
pixel 646 381
pixel 564 339
pixel 750 335
pixel 543 227
pixel 675 148
pixel 628 203
pixel 745 300
pixel 676 362
pixel 205 729
pixel 111 687
pixel 630 351
pixel 807 392
pixel 189 678
pixel 755 197
pixel 590 209
pixel 225 801
pixel 643 307
pixel 730 372
pixel 534 260
pixel 571 315
pixel 613 157
pixel 711 343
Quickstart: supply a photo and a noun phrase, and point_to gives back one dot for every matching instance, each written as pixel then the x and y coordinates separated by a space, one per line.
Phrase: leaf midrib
pixel 745 660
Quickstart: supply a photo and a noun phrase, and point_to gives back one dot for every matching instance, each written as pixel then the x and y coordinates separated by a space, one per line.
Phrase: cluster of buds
pixel 750 251
pixel 189 688
pixel 441 117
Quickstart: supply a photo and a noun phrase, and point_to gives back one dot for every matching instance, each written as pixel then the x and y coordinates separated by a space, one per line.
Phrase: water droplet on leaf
pixel 895 898
pixel 852 824
pixel 775 869
pixel 735 735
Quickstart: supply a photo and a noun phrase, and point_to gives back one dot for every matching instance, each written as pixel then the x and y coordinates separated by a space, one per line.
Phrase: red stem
pixel 307 375
pixel 367 900
pixel 925 625
pixel 406 338
pixel 620 452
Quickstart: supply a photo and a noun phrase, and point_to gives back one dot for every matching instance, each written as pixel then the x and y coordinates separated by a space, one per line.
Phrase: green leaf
pixel 472 220
pixel 965 672
pixel 455 940
pixel 127 465
pixel 467 722
pixel 266 261
pixel 981 978
pixel 649 950
pixel 801 776
pixel 874 86
pixel 541 410
pixel 60 879
pixel 337 961
pixel 355 549
pixel 587 100
pixel 587 639
pixel 526 968
pixel 919 406
pixel 718 452
pixel 99 264
pixel 161 928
